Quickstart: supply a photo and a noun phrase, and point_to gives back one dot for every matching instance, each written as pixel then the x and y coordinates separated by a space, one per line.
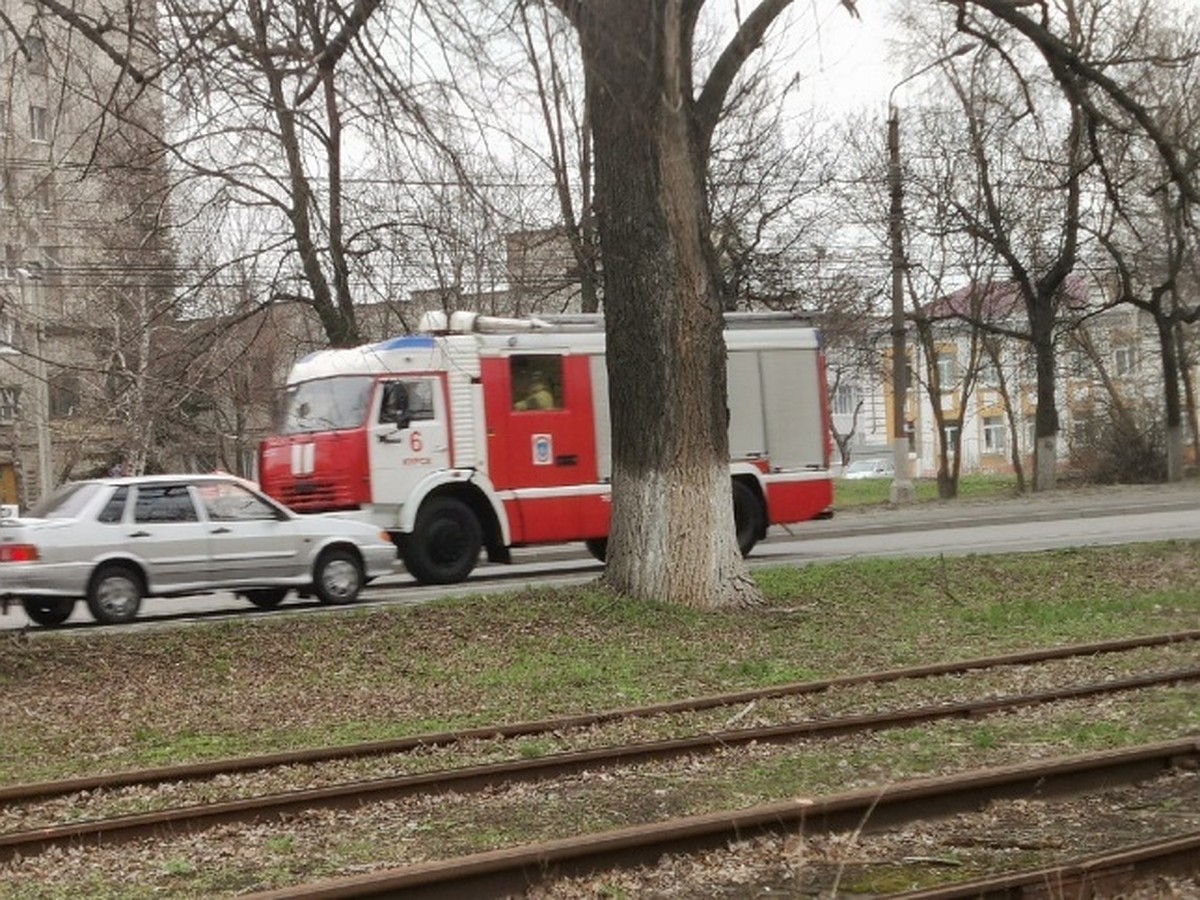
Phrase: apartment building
pixel 1108 349
pixel 84 266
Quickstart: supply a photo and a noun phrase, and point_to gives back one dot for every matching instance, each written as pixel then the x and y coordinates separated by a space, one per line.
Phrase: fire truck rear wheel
pixel 747 516
pixel 598 547
pixel 444 547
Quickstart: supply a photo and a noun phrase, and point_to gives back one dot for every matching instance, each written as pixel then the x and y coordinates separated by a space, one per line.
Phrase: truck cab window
pixel 411 399
pixel 536 382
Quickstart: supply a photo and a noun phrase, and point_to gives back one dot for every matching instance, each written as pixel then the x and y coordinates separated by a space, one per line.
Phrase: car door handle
pixel 139 534
pixel 221 530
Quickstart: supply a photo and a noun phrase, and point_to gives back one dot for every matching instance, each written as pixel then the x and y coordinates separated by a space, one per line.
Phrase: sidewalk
pixel 1062 503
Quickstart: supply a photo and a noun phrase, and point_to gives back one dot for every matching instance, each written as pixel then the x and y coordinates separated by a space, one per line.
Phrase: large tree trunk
pixel 672 536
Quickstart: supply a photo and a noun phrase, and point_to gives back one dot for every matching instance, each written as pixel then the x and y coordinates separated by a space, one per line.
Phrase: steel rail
pixel 350 795
pixel 510 871
pixel 194 771
pixel 1103 875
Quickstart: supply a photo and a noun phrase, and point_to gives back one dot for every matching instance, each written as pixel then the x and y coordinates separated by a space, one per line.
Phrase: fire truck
pixel 486 433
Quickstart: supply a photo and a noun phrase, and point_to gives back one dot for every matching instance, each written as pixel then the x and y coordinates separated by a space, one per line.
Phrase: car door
pixel 166 533
pixel 251 541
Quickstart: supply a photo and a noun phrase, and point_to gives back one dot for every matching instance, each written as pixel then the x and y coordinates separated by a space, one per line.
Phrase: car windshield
pixel 66 502
pixel 328 404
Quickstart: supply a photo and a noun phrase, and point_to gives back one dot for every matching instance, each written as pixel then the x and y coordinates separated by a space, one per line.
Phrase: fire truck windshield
pixel 328 404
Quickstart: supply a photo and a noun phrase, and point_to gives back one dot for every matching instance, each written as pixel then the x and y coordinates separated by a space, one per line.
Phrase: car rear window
pixel 67 502
pixel 114 509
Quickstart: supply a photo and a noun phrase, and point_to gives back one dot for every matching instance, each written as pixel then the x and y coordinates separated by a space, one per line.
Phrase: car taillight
pixel 18 553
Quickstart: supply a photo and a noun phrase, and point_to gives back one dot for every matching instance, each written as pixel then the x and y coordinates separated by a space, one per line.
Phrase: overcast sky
pixel 841 60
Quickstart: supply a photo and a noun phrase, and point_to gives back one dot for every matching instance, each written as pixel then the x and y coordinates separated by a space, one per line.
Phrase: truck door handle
pixel 569 460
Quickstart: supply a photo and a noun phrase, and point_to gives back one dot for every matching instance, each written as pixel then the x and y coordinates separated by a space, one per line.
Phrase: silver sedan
pixel 113 541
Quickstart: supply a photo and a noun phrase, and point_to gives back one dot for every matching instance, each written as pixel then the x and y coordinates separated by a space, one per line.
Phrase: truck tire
pixel 598 547
pixel 337 577
pixel 48 611
pixel 445 543
pixel 748 516
pixel 115 594
pixel 266 598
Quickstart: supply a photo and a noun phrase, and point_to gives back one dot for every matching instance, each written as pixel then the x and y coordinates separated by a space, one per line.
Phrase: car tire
pixel 444 547
pixel 337 577
pixel 266 598
pixel 748 516
pixel 598 547
pixel 48 611
pixel 115 595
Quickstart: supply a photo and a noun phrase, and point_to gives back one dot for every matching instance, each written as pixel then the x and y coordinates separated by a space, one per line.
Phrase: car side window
pixel 164 503
pixel 228 502
pixel 114 509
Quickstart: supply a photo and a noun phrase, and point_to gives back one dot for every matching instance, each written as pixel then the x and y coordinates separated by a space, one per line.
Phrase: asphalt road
pixel 1068 518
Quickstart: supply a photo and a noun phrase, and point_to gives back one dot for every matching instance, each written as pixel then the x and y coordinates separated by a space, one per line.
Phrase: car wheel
pixel 338 577
pixel 598 547
pixel 48 611
pixel 747 516
pixel 266 598
pixel 115 595
pixel 444 547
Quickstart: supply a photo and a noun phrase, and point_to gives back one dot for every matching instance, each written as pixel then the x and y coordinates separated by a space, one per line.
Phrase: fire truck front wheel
pixel 445 544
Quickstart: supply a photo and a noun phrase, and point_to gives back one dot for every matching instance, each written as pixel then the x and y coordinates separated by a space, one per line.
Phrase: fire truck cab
pixel 492 433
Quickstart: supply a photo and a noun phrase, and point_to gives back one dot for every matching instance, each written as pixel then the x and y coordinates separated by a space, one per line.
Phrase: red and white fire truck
pixel 492 433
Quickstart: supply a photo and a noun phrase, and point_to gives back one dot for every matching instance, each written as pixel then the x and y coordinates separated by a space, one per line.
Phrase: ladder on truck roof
pixel 465 322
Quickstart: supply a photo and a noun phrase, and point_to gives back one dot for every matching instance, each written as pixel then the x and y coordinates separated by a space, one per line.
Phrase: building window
pixel 3 114
pixel 989 373
pixel 35 50
pixel 8 262
pixel 951 432
pixel 947 370
pixel 10 398
pixel 6 190
pixel 8 333
pixel 994 434
pixel 64 395
pixel 1123 360
pixel 845 400
pixel 39 124
pixel 41 196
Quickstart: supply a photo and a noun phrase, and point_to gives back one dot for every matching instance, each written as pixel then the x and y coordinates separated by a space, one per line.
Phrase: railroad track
pixel 512 871
pixel 275 807
pixel 22 793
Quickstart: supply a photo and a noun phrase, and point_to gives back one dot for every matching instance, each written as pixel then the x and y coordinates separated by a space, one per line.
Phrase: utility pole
pixel 902 486
pixel 35 335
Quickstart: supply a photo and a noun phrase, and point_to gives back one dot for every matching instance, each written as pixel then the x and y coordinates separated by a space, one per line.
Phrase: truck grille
pixel 313 496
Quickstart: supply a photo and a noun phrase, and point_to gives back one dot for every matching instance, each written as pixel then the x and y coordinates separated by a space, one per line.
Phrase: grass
pixel 878 491
pixel 74 703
